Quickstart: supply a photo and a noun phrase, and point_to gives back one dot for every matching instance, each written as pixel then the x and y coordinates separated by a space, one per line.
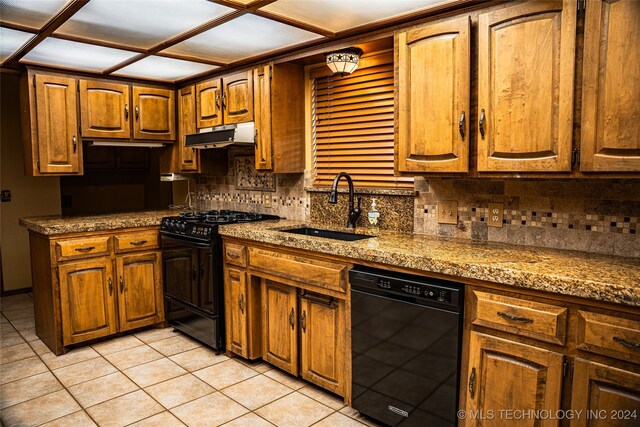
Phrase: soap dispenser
pixel 374 215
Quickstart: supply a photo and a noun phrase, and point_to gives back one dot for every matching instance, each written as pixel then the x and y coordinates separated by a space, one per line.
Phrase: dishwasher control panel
pixel 424 289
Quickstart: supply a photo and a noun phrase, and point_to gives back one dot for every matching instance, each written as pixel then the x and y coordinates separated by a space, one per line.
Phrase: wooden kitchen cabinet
pixel 279 118
pixel 433 87
pixel 208 103
pixel 235 305
pixel 104 109
pixel 87 301
pixel 279 320
pixel 322 341
pixel 178 158
pixel 50 133
pixel 525 87
pixel 506 375
pixel 154 113
pixel 139 289
pixel 610 93
pixel 237 98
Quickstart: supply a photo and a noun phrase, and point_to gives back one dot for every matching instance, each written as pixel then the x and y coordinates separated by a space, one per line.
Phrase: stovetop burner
pixel 201 225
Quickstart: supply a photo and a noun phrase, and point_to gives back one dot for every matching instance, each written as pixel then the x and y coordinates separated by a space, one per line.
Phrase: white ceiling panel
pixel 243 37
pixel 340 15
pixel 12 40
pixel 140 23
pixel 30 13
pixel 161 68
pixel 81 56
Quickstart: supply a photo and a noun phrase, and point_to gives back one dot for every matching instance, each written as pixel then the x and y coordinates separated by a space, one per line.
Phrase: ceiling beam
pixel 190 33
pixel 53 24
pixel 295 23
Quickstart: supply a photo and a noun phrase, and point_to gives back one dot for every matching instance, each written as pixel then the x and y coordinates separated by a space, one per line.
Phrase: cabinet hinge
pixel 575 156
pixel 567 369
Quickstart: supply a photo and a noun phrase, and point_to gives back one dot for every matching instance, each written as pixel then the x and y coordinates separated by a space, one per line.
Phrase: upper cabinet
pixel 525 87
pixel 224 101
pixel 154 111
pixel 179 158
pixel 433 92
pixel 279 118
pixel 50 125
pixel 611 93
pixel 104 109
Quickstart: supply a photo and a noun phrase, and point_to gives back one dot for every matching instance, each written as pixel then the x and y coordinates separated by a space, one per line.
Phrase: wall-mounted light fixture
pixel 344 61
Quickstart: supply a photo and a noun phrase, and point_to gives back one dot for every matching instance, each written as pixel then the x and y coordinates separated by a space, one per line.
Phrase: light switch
pixel 448 212
pixel 495 215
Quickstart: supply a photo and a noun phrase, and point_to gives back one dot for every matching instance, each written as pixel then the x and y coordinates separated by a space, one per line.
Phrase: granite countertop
pixel 57 224
pixel 593 276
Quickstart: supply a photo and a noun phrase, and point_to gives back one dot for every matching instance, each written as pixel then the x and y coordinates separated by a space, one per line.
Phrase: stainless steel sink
pixel 327 234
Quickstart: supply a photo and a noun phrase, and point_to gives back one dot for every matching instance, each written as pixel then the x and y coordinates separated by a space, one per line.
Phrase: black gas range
pixel 192 271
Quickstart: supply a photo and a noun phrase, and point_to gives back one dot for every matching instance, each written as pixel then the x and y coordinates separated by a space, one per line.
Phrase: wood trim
pixel 53 24
pixel 295 23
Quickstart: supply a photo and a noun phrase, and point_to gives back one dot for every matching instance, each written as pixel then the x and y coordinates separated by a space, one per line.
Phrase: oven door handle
pixel 186 242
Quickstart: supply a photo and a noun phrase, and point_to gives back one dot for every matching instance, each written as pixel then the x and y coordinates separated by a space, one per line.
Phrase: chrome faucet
pixel 354 212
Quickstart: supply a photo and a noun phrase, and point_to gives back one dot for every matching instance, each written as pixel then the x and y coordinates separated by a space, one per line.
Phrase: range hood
pixel 223 136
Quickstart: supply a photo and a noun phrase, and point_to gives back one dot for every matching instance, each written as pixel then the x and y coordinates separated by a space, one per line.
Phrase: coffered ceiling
pixel 174 40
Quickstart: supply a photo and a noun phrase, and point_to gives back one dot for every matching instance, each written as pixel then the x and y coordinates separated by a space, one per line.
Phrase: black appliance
pixel 192 272
pixel 406 337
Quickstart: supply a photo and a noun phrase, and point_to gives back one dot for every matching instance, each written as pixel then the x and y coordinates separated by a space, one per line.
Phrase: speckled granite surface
pixel 52 225
pixel 580 274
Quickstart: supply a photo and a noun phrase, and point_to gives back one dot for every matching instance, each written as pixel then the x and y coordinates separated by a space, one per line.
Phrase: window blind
pixel 352 126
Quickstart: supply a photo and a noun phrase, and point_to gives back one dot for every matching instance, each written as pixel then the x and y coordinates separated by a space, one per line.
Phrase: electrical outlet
pixel 266 200
pixel 495 215
pixel 448 212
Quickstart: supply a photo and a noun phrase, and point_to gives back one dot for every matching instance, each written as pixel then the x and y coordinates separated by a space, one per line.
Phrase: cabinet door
pixel 209 104
pixel 86 300
pixel 322 332
pixel 235 303
pixel 139 290
pixel 525 87
pixel 237 98
pixel 505 375
pixel 104 109
pixel 262 106
pixel 433 97
pixel 154 114
pixel 610 89
pixel 608 397
pixel 57 115
pixel 280 337
pixel 188 157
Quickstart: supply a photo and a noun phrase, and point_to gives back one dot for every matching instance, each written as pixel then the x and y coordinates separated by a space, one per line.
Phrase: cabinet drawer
pixel 323 273
pixel 609 335
pixel 235 254
pixel 532 319
pixel 129 242
pixel 82 247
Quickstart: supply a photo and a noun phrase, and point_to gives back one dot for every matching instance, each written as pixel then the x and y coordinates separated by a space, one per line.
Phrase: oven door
pixel 188 273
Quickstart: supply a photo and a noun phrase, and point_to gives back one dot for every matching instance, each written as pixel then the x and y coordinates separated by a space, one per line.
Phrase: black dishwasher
pixel 406 333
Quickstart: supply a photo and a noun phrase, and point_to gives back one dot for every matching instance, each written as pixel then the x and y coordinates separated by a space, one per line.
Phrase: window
pixel 352 125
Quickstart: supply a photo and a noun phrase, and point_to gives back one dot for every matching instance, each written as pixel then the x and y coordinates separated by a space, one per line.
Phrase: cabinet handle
pixel 232 255
pixel 461 125
pixel 138 113
pixel 201 271
pixel 291 319
pixel 241 303
pixel 194 273
pixel 482 123
pixel 472 383
pixel 110 286
pixel 218 100
pixel 126 111
pixel 234 276
pixel 303 321
pixel 85 249
pixel 75 143
pixel 138 242
pixel 631 344
pixel 514 318
pixel 224 96
pixel 121 284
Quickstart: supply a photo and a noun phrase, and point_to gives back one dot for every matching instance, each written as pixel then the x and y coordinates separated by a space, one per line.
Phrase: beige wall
pixel 30 196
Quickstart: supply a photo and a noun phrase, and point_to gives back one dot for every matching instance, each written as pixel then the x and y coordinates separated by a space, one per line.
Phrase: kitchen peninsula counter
pixel 579 274
pixel 57 224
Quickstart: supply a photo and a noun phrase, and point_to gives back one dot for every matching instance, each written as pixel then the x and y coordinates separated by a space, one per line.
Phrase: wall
pixel 31 196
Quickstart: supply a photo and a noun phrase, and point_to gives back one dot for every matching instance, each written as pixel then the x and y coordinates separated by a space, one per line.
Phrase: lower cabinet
pixel 235 300
pixel 280 332
pixel 139 289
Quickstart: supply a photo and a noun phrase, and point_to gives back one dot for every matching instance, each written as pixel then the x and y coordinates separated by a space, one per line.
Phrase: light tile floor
pixel 157 378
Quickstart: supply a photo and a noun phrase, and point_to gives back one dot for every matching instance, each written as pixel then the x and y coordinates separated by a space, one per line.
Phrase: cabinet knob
pixel 481 124
pixel 461 125
pixel 137 113
pixel 75 143
pixel 126 111
pixel 291 319
pixel 110 286
pixel 121 284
